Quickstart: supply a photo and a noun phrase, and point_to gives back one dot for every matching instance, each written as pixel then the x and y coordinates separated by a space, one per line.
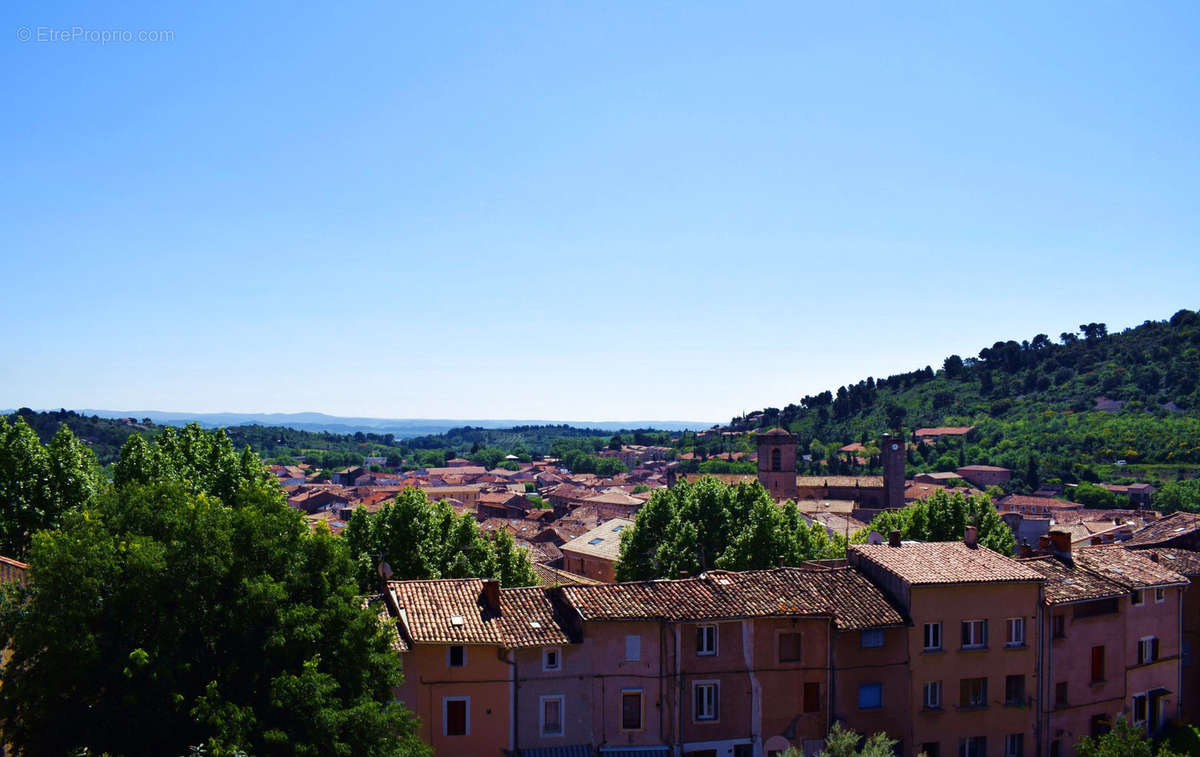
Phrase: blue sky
pixel 578 210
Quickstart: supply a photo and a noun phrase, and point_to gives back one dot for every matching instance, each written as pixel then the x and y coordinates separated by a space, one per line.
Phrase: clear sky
pixel 605 211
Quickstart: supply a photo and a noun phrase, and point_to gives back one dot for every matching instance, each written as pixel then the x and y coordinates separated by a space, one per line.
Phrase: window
pixel 456 716
pixel 1099 725
pixel 933 636
pixel 1160 595
pixel 1098 663
pixel 973 746
pixel 870 696
pixel 931 749
pixel 551 658
pixel 1137 599
pixel 631 709
pixel 776 460
pixel 972 692
pixel 812 697
pixel 706 640
pixel 705 695
pixel 456 657
pixel 1059 627
pixel 1060 694
pixel 1014 690
pixel 552 715
pixel 872 637
pixel 1016 632
pixel 633 648
pixel 1147 650
pixel 1014 745
pixel 1140 708
pixel 974 634
pixel 789 647
pixel 932 695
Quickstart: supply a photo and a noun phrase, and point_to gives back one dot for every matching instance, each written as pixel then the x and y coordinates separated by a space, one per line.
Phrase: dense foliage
pixel 419 539
pixel 1124 740
pixel 189 603
pixel 39 484
pixel 1090 399
pixel 944 517
pixel 691 528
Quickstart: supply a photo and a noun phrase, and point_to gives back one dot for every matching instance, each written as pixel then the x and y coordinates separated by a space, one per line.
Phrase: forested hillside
pixel 1077 404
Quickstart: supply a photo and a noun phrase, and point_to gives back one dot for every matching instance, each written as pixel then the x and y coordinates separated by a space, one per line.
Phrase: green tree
pixel 205 620
pixel 843 742
pixel 1179 495
pixel 420 539
pixel 39 485
pixel 1124 740
pixel 944 517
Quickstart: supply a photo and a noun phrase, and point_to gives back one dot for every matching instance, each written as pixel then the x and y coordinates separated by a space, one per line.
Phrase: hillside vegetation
pixel 1088 404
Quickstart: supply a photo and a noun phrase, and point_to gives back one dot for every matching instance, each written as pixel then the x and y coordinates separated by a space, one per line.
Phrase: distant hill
pixel 401 428
pixel 1077 404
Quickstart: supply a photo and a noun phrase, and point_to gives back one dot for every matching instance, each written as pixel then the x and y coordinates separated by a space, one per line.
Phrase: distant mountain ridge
pixel 402 428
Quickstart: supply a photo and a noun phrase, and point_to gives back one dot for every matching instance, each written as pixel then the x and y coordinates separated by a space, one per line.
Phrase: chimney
pixel 683 574
pixel 1153 556
pixel 1044 543
pixel 971 537
pixel 1026 549
pixel 894 538
pixel 782 559
pixel 1061 541
pixel 491 593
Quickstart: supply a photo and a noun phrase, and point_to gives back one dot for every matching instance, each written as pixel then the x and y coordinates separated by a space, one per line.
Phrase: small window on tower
pixel 776 459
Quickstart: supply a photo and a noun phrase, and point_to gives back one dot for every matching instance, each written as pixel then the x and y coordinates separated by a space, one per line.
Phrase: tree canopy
pixel 189 599
pixel 944 517
pixel 707 524
pixel 419 539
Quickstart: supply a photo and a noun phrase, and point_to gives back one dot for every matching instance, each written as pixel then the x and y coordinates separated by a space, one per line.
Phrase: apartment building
pixel 971 658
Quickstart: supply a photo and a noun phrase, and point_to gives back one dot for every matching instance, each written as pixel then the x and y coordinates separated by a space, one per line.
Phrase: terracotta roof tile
pixel 603 541
pixel 455 611
pixel 1067 583
pixel 1127 567
pixel 1184 561
pixel 922 564
pixel 841 593
pixel 1165 529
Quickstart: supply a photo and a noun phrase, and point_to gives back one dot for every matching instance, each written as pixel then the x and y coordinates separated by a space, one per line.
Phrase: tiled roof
pixel 548 576
pixel 943 431
pixel 1165 529
pixel 1184 561
pixel 454 611
pixel 1067 583
pixel 603 541
pixel 953 562
pixel 783 592
pixel 985 469
pixel 1127 567
pixel 13 571
pixel 1022 500
pixel 845 481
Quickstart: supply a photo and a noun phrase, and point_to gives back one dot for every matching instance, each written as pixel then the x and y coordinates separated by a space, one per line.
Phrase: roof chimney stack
pixel 491 594
pixel 894 538
pixel 1061 541
pixel 1026 549
pixel 1044 543
pixel 971 537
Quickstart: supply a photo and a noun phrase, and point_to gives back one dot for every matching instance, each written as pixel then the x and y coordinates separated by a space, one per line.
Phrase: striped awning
pixel 576 750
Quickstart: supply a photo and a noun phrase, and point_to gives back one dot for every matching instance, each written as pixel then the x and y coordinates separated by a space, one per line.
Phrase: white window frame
pixel 715 715
pixel 562 717
pixel 641 710
pixel 703 632
pixel 1146 707
pixel 980 741
pixel 1146 650
pixel 449 664
pixel 546 652
pixel 874 634
pixel 932 702
pixel 1014 745
pixel 633 648
pixel 1160 595
pixel 936 628
pixel 446 719
pixel 1015 630
pixel 976 643
pixel 983 693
